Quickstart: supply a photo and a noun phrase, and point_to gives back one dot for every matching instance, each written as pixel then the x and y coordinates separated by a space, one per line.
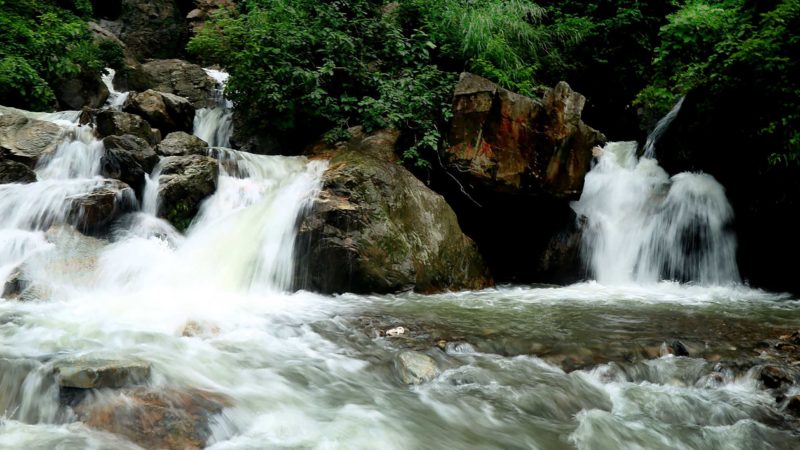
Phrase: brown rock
pixel 116 123
pixel 98 208
pixel 154 418
pixel 182 144
pixel 26 140
pixel 165 111
pixel 506 142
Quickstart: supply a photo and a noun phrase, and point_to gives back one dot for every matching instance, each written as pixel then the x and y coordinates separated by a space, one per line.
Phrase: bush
pixel 22 87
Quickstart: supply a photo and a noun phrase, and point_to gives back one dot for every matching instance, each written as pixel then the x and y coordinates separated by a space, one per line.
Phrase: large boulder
pixel 184 183
pixel 513 164
pixel 505 142
pixel 377 228
pixel 173 76
pixel 182 144
pixel 15 172
pixel 167 112
pixel 26 140
pixel 97 208
pixel 128 158
pixel 82 90
pixel 151 417
pixel 117 123
pixel 149 29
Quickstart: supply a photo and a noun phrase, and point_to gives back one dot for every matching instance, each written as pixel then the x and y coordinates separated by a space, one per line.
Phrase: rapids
pixel 586 366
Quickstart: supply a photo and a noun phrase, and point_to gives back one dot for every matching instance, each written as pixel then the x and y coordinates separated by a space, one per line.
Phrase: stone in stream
pixel 87 373
pixel 82 90
pixel 117 123
pixel 102 205
pixel 167 112
pixel 26 140
pixel 164 418
pixel 128 158
pixel 415 367
pixel 15 172
pixel 14 285
pixel 173 76
pixel 184 183
pixel 773 377
pixel 180 143
pixel 377 228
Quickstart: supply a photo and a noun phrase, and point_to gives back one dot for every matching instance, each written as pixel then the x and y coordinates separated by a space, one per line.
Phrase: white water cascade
pixel 115 98
pixel 644 227
pixel 215 125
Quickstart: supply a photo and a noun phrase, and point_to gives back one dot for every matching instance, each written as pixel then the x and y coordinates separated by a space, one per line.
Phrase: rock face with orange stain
pixel 504 142
pixel 152 417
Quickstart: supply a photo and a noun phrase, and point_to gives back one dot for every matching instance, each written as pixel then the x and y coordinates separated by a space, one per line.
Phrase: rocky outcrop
pixel 167 112
pixel 513 165
pixel 173 76
pixel 149 29
pixel 101 206
pixel 182 144
pixel 203 10
pixel 377 228
pixel 506 142
pixel 128 158
pixel 154 417
pixel 26 140
pixel 116 123
pixel 15 172
pixel 184 183
pixel 82 90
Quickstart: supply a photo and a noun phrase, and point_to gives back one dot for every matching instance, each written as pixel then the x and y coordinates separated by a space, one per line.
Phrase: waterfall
pixel 215 125
pixel 661 127
pixel 644 226
pixel 115 98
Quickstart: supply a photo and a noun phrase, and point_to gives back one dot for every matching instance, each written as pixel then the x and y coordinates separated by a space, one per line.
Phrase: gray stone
pixel 174 76
pixel 15 172
pixel 128 158
pixel 167 112
pixel 182 144
pixel 376 228
pixel 101 206
pixel 26 140
pixel 116 123
pixel 415 367
pixel 82 90
pixel 184 183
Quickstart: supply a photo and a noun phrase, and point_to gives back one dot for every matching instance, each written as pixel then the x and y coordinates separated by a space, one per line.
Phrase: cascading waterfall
pixel 115 98
pixel 215 125
pixel 643 226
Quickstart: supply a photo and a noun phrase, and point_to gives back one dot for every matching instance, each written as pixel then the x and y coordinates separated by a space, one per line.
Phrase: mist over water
pixel 580 366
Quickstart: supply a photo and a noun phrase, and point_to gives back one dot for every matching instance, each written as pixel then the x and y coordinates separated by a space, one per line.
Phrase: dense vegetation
pixel 42 43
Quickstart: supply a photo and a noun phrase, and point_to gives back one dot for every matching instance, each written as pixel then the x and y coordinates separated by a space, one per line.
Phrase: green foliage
pixel 47 44
pixel 727 48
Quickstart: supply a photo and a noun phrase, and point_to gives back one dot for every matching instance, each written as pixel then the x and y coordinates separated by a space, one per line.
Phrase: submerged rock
pixel 415 367
pixel 182 144
pixel 128 158
pixel 376 228
pixel 14 285
pixel 26 140
pixel 184 183
pixel 116 123
pixel 152 417
pixel 774 377
pixel 15 172
pixel 100 373
pixel 167 112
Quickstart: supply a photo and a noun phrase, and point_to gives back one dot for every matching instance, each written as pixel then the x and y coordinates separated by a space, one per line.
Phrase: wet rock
pixel 416 367
pixel 82 90
pixel 507 142
pixel 100 373
pixel 128 158
pixel 182 144
pixel 184 183
pixel 773 377
pixel 26 140
pixel 167 112
pixel 174 76
pixel 101 206
pixel 15 172
pixel 793 405
pixel 678 349
pixel 14 285
pixel 149 29
pixel 117 123
pixel 154 418
pixel 377 228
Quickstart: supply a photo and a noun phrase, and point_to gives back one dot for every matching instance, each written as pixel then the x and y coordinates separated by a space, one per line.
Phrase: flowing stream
pixel 587 366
